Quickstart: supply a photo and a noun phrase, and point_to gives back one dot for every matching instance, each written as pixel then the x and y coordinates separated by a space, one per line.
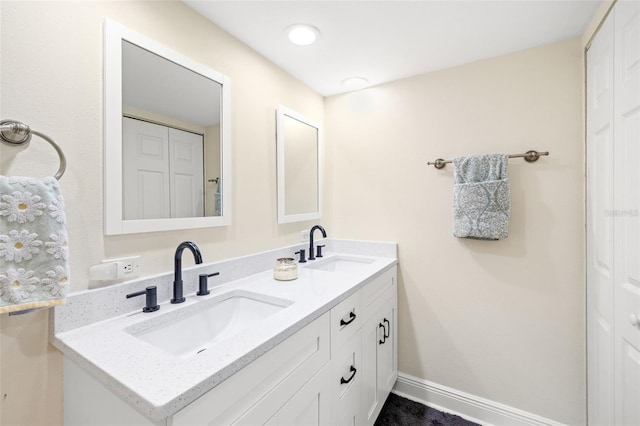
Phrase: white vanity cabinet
pixel 337 370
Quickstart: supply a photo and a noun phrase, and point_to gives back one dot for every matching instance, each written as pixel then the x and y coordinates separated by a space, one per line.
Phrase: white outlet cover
pixel 134 261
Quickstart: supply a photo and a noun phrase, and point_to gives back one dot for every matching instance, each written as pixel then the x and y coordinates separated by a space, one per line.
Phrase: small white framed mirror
pixel 299 164
pixel 167 140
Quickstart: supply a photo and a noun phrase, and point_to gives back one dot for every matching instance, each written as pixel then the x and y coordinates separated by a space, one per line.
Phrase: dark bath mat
pixel 399 411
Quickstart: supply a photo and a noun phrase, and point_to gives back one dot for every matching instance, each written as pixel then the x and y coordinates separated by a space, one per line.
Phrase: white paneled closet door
pixel 613 219
pixel 627 203
pixel 600 268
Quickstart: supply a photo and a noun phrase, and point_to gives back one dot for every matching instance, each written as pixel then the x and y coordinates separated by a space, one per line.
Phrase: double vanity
pixel 320 349
pixel 225 342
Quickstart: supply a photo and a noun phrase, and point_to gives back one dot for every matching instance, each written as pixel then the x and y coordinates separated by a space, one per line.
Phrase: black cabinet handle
pixel 352 317
pixel 384 334
pixel 353 374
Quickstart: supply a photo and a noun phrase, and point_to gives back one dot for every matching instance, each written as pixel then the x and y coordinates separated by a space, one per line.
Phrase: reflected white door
pixel 145 169
pixel 187 171
pixel 627 221
pixel 163 171
pixel 600 198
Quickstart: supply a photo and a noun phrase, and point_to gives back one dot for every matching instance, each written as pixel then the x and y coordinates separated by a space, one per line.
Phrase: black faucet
pixel 177 265
pixel 311 248
pixel 152 298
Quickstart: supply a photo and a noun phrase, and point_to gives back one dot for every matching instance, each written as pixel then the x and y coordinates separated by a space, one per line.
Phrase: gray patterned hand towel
pixel 481 204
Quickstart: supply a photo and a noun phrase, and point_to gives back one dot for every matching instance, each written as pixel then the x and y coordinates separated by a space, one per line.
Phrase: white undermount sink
pixel 341 264
pixel 199 327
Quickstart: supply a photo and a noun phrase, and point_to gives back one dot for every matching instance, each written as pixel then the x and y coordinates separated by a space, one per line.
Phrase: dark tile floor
pixel 399 411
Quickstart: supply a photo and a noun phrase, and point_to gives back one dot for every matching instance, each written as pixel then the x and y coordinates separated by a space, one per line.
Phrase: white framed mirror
pixel 299 164
pixel 167 141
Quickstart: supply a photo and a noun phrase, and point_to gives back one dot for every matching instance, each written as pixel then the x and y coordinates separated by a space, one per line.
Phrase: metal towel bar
pixel 529 156
pixel 13 132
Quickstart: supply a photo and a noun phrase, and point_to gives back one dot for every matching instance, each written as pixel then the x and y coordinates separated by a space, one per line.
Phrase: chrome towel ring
pixel 13 132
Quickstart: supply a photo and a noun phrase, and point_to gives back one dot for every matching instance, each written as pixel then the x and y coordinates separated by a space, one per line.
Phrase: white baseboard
pixel 470 407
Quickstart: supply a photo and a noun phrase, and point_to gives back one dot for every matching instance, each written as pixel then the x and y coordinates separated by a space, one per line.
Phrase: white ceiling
pixel 389 40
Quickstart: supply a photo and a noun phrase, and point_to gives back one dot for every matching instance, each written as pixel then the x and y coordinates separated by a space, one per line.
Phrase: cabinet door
pixel 387 364
pixel 379 359
pixel 311 405
pixel 372 333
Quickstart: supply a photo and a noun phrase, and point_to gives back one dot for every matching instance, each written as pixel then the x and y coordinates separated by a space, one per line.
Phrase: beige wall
pixel 51 79
pixel 503 320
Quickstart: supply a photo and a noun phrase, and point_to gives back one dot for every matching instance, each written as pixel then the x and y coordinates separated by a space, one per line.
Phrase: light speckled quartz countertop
pixel 93 328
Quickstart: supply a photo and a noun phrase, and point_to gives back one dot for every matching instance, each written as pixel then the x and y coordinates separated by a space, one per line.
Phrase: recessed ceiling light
pixel 302 34
pixel 355 83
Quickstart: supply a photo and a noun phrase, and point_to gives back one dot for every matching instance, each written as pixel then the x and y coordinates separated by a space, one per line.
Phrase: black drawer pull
pixel 384 334
pixel 353 374
pixel 352 317
pixel 387 331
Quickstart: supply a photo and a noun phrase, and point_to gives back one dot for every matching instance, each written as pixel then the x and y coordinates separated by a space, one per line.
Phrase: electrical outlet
pixel 304 236
pixel 130 265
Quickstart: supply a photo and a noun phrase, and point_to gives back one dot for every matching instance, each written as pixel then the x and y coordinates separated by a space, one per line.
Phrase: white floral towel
pixel 34 268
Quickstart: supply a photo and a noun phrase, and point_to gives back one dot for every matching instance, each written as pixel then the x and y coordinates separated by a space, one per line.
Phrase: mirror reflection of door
pixel 162 171
pixel 171 139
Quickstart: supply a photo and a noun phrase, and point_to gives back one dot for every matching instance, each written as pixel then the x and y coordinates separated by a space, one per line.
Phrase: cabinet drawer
pixel 346 381
pixel 375 294
pixel 309 405
pixel 280 373
pixel 346 320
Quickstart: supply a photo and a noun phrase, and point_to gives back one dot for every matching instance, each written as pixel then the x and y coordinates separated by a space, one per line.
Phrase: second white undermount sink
pixel 346 264
pixel 189 333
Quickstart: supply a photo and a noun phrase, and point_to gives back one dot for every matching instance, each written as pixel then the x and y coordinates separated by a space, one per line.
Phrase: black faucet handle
pixel 303 255
pixel 152 298
pixel 319 250
pixel 203 284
